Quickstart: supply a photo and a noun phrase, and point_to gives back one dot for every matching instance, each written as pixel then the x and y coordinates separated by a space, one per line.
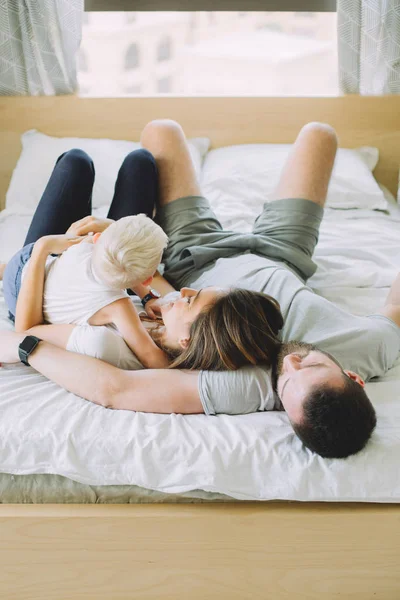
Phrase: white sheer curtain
pixel 38 45
pixel 369 46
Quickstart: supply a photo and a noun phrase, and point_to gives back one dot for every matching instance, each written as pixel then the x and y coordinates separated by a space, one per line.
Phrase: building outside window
pixel 218 53
pixel 164 85
pixel 130 17
pixel 164 50
pixel 133 89
pixel 132 57
pixel 82 61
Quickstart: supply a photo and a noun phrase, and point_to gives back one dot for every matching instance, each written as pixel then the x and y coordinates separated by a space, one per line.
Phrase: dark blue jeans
pixel 68 198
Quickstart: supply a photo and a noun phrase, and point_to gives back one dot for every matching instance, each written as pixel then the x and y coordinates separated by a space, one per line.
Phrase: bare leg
pixel 166 141
pixel 2 268
pixel 308 168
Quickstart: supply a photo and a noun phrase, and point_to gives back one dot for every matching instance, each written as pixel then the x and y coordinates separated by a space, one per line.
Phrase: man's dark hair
pixel 337 421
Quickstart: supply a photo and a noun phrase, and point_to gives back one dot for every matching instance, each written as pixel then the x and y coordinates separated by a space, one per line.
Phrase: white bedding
pixel 44 429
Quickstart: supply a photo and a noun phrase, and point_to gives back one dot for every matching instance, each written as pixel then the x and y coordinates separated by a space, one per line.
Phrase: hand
pixel 153 308
pixel 157 303
pixel 89 224
pixel 57 244
pixel 9 342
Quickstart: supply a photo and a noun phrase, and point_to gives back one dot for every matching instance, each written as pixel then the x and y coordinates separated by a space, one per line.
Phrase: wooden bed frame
pixel 238 550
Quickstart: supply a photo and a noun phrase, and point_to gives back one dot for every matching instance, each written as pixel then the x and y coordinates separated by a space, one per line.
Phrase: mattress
pixel 55 446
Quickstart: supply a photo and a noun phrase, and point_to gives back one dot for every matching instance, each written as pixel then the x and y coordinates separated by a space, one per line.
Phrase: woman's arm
pixel 29 310
pixel 162 391
pixel 123 315
pixel 161 285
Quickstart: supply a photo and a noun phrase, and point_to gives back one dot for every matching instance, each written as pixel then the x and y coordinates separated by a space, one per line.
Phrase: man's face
pixel 301 368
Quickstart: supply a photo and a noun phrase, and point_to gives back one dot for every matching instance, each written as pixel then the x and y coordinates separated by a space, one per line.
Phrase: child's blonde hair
pixel 129 251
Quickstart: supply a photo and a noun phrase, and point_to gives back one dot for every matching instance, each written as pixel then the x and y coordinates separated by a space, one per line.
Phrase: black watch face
pixel 28 344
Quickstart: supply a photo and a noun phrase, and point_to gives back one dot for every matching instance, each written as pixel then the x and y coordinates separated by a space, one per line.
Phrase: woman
pixel 212 329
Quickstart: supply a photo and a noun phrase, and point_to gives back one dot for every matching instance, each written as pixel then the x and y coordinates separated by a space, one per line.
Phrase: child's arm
pixel 124 316
pixel 29 310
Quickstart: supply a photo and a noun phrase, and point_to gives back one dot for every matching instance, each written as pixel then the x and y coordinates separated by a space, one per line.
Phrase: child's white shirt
pixel 72 292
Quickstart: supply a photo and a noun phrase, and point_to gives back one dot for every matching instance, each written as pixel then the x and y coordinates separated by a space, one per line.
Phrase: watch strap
pixel 148 297
pixel 26 347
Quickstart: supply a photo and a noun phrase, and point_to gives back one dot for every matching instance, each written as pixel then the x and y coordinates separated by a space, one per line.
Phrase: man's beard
pixel 300 348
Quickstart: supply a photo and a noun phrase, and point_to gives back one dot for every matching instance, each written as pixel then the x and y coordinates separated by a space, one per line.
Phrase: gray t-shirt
pixel 367 345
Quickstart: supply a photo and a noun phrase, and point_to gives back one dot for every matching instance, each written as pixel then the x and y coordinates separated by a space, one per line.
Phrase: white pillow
pixel 239 179
pixel 39 155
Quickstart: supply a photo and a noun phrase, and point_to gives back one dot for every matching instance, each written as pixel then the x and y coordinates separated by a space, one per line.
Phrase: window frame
pixel 211 5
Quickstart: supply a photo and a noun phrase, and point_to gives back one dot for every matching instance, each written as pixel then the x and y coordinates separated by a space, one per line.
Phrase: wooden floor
pixel 250 551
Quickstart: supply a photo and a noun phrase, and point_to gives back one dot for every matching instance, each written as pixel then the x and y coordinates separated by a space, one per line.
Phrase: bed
pixel 325 547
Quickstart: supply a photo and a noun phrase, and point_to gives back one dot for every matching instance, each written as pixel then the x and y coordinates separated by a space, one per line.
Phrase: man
pixel 326 405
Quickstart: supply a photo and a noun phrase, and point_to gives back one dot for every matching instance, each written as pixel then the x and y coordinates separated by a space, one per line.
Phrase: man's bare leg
pixel 308 168
pixel 2 269
pixel 166 141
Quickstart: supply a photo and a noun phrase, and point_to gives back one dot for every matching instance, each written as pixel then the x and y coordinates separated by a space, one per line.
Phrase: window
pixel 171 5
pixel 305 15
pixel 303 31
pixel 164 85
pixel 253 53
pixel 132 57
pixel 270 26
pixel 164 50
pixel 82 61
pixel 133 89
pixel 193 20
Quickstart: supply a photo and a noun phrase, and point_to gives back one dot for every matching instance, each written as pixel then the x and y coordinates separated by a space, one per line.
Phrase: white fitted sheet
pixel 44 429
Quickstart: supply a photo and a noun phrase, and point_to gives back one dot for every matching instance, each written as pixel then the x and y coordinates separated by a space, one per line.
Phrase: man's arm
pixel 156 391
pixel 391 310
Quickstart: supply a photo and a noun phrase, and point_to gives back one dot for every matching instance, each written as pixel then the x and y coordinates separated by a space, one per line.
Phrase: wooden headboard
pixel 359 120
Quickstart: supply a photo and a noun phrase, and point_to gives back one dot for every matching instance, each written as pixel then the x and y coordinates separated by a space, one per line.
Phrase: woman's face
pixel 182 310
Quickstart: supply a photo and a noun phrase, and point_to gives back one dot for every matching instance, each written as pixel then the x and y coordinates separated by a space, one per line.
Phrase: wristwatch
pixel 152 295
pixel 26 348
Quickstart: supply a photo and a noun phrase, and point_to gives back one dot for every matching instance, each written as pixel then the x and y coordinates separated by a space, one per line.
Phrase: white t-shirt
pixel 72 293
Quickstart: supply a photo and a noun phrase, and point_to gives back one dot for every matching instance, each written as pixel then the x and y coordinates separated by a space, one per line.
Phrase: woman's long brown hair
pixel 240 328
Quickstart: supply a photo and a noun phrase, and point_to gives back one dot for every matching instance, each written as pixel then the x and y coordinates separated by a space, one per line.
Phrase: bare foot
pixel 2 268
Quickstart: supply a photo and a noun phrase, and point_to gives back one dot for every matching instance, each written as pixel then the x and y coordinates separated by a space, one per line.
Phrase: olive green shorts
pixel 286 231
